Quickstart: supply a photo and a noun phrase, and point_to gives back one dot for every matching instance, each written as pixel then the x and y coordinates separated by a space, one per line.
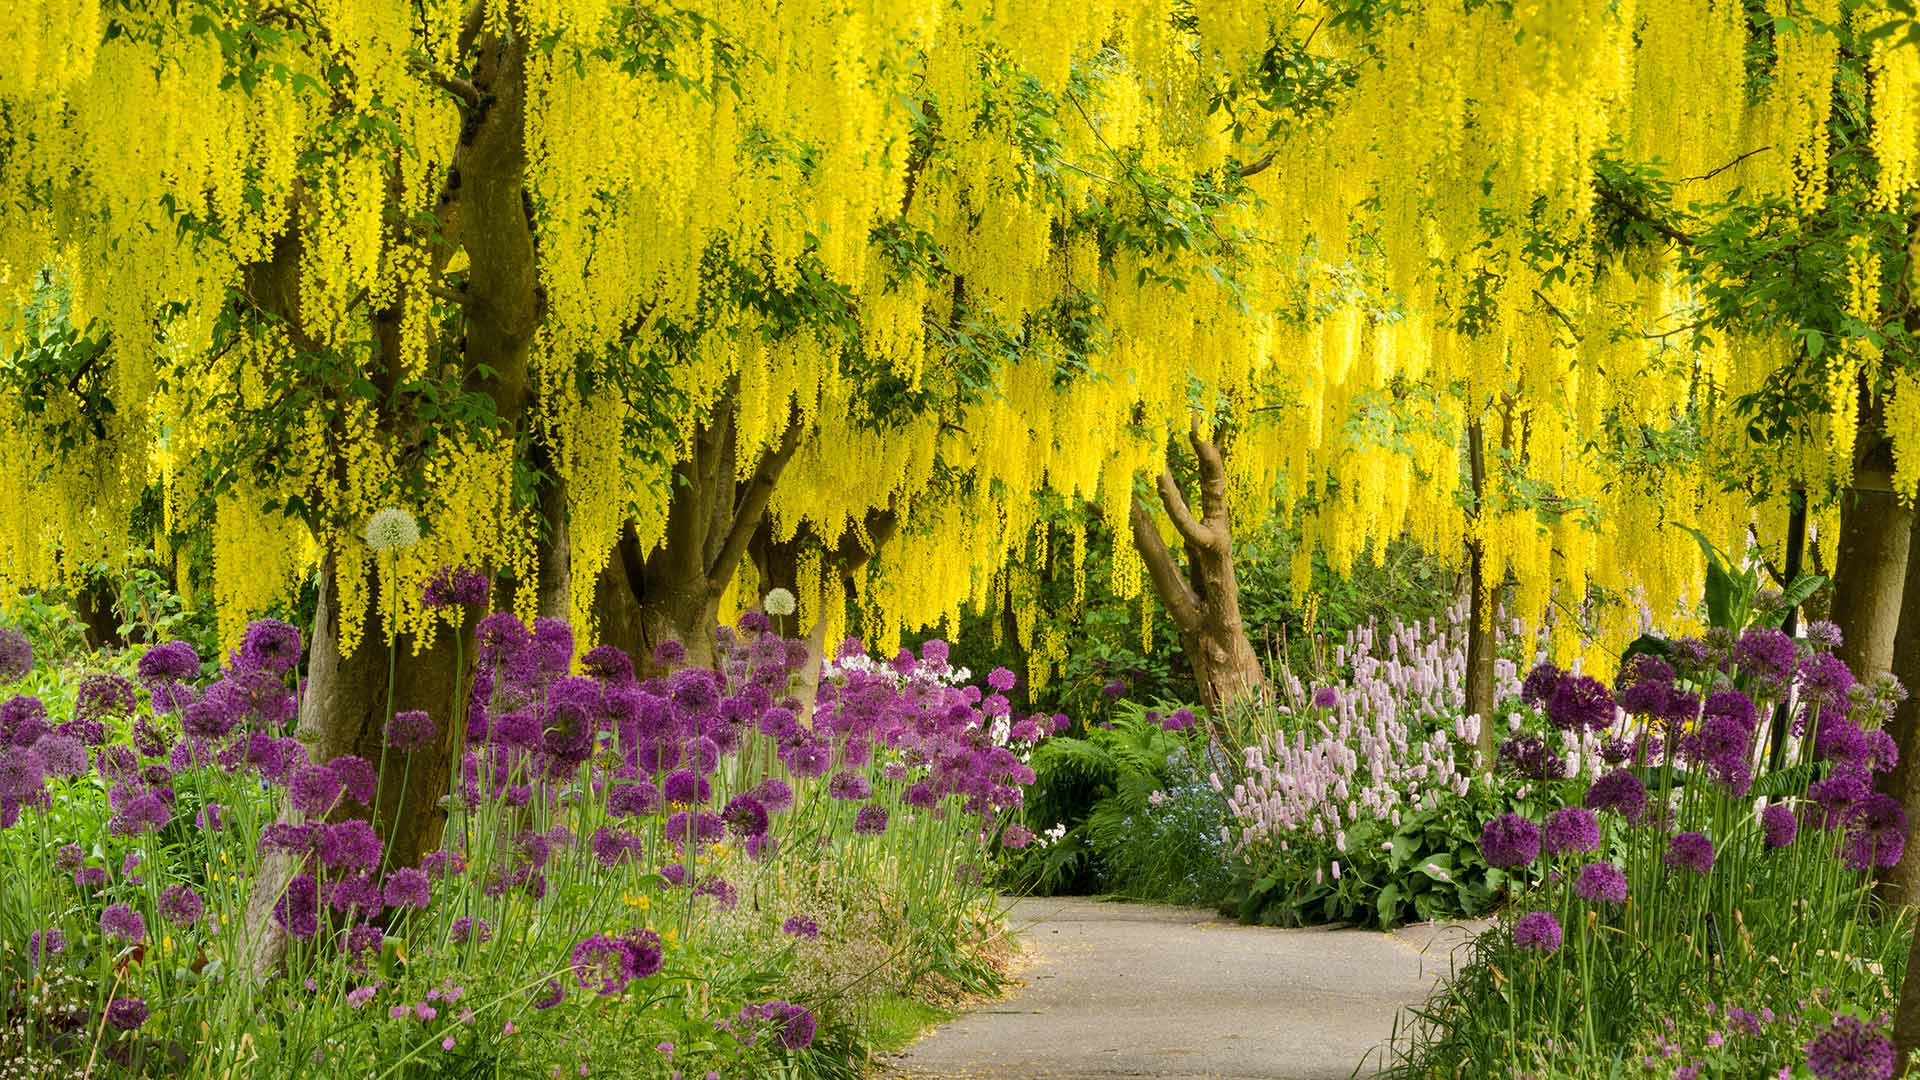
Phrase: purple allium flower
pixel 801 927
pixel 849 786
pixel 16 655
pixel 1876 832
pixel 61 755
pixel 122 922
pixel 810 759
pixel 451 586
pixel 412 729
pixel 608 664
pixel 921 795
pixel 1531 757
pixel 466 929
pixel 180 905
pixel 350 844
pixel 1509 840
pixel 871 820
pixel 1690 851
pixel 1824 682
pixel 687 786
pixel 127 1014
pixel 669 654
pixel 1539 685
pixel 45 943
pixel 270 645
pixel 1001 679
pixel 1580 703
pixel 1601 883
pixel 633 800
pixel 1325 698
pixel 314 790
pixel 1619 791
pixel 745 816
pixel 1840 739
pixel 1850 1050
pixel 643 947
pixel 1766 656
pixel 1780 825
pixel 1732 704
pixel 1571 829
pixel 439 864
pixel 22 775
pixel 358 776
pixel 602 964
pixel 1016 837
pixel 611 847
pixel 169 662
pixel 408 887
pixel 550 995
pixel 1537 931
pixel 1840 790
pixel 1823 634
pixel 104 697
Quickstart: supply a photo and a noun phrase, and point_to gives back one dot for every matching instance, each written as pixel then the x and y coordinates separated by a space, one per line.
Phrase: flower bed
pixel 644 877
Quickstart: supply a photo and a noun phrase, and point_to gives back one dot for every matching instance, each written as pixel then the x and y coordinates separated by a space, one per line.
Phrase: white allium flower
pixel 779 602
pixel 392 528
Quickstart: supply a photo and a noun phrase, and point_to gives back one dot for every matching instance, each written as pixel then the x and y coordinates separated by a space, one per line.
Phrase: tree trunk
pixel 672 593
pixel 1204 603
pixel 779 565
pixel 1900 883
pixel 344 711
pixel 1869 572
pixel 1481 643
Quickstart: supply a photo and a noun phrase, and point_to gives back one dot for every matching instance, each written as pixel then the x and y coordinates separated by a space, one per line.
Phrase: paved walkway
pixel 1131 990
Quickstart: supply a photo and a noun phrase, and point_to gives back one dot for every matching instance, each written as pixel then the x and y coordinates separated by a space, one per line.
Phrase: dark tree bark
pixel 345 712
pixel 1869 574
pixel 1204 603
pixel 1900 883
pixel 345 708
pixel 779 565
pixel 673 592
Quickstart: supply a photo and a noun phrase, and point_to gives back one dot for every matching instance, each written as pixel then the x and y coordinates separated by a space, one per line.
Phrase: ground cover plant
pixel 680 874
pixel 1358 800
pixel 1688 904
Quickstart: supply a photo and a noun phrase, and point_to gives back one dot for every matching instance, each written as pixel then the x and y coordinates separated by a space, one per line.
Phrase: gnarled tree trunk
pixel 673 592
pixel 1204 603
pixel 344 711
pixel 1900 883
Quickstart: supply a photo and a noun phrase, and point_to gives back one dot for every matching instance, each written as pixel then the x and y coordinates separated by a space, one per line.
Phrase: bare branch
pixel 1175 593
pixel 1213 481
pixel 1190 529
pixel 750 506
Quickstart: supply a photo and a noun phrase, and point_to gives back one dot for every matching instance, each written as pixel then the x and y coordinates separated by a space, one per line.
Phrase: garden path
pixel 1135 990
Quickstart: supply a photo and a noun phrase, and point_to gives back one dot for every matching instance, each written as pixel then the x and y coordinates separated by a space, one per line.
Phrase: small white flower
pixel 779 602
pixel 392 528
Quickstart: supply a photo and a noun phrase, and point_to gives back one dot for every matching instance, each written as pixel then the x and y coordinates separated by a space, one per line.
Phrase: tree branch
pixel 748 508
pixel 1179 598
pixel 1213 481
pixel 1190 530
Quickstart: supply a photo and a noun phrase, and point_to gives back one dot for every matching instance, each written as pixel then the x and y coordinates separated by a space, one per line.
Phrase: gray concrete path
pixel 1132 990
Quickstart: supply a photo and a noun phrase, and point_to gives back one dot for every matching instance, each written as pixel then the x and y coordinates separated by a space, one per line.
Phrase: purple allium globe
pixel 746 816
pixel 408 887
pixel 45 943
pixel 1509 841
pixel 1850 1050
pixel 123 923
pixel 1620 792
pixel 1580 703
pixel 16 655
pixel 801 927
pixel 1766 656
pixel 270 645
pixel 1539 685
pixel 1779 825
pixel 1001 679
pixel 412 729
pixel 180 905
pixel 849 786
pixel 1690 851
pixel 126 1014
pixel 169 662
pixel 1733 704
pixel 1876 833
pixel 314 790
pixel 455 586
pixel 1601 883
pixel 1537 931
pixel 871 820
pixel 1571 829
pixel 602 964
pixel 1824 682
